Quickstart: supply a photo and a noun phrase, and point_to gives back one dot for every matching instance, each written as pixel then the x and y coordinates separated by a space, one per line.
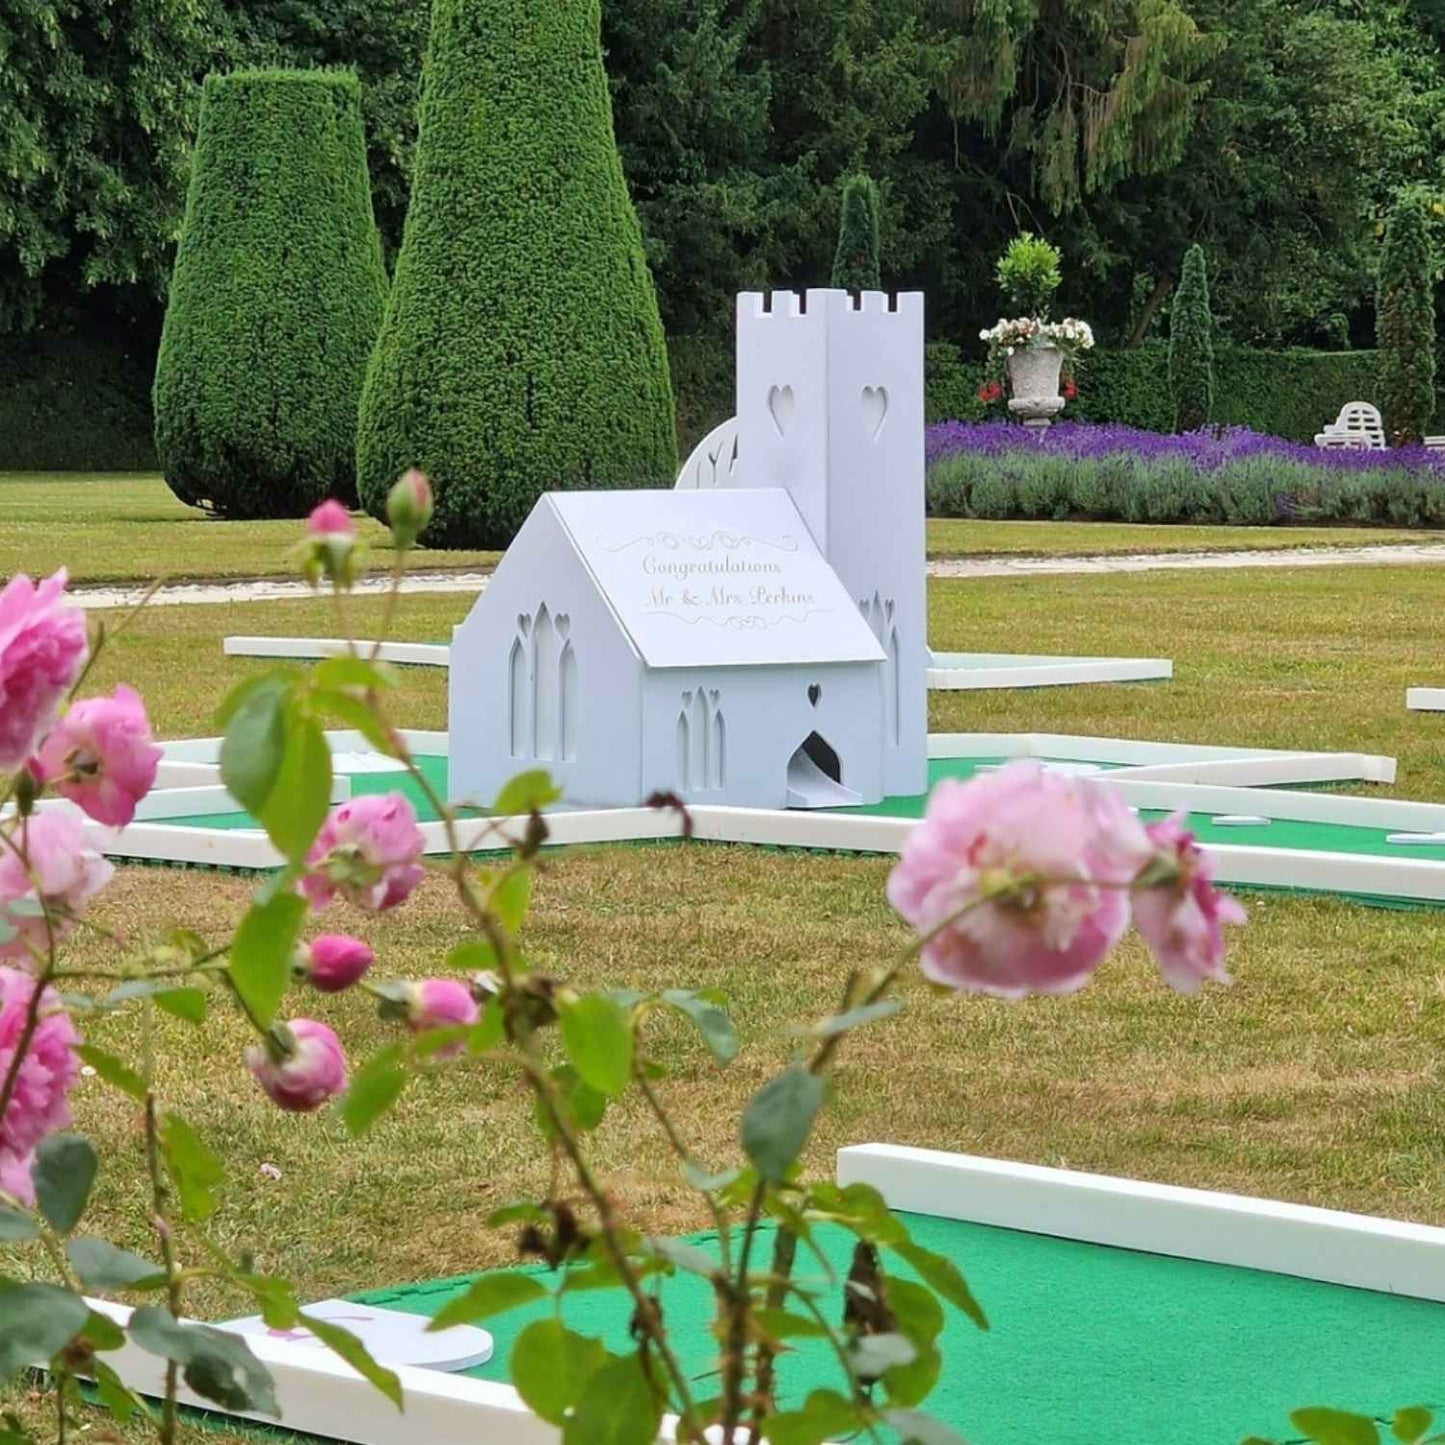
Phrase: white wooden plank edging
pixel 412 654
pixel 1425 699
pixel 968 671
pixel 1357 1250
pixel 951 671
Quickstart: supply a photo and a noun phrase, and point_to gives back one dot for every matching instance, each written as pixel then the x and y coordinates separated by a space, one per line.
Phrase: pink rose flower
pixel 40 1103
pixel 42 650
pixel 68 873
pixel 330 519
pixel 100 756
pixel 333 962
pixel 1182 917
pixel 1043 859
pixel 311 1073
pixel 369 850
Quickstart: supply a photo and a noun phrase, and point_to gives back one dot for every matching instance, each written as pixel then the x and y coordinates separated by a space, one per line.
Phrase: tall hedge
pixel 1405 321
pixel 275 300
pixel 522 350
pixel 856 264
pixel 1191 345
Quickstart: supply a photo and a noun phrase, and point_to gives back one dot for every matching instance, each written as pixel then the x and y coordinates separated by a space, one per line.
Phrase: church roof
pixel 724 578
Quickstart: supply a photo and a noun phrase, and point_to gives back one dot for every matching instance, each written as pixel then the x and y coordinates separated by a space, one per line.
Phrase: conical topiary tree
pixel 1405 321
pixel 522 350
pixel 275 300
pixel 1191 345
pixel 856 261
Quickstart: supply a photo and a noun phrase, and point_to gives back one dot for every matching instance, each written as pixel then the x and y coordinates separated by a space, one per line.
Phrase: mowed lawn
pixel 1314 1078
pixel 126 528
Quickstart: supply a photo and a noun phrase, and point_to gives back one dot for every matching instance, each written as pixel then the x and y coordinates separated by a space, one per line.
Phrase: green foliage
pixel 856 264
pixel 1191 346
pixel 1405 321
pixel 275 301
pixel 1028 274
pixel 522 350
pixel 1086 92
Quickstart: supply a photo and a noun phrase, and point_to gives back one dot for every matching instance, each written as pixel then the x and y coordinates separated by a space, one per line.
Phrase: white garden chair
pixel 714 461
pixel 1358 425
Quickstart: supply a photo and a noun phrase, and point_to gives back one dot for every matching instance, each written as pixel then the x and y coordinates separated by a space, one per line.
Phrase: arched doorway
pixel 815 776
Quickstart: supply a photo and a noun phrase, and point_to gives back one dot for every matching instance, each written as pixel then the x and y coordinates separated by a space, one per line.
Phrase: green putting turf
pixel 1088 1345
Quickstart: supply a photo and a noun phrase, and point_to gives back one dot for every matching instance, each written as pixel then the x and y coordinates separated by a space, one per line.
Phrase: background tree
pixel 1191 345
pixel 1405 319
pixel 276 299
pixel 856 264
pixel 521 350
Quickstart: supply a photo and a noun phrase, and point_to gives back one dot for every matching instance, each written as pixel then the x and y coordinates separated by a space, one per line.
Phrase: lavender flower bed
pixel 1227 474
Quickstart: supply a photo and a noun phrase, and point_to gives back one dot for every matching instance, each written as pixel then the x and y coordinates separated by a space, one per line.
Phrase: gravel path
pixel 279 589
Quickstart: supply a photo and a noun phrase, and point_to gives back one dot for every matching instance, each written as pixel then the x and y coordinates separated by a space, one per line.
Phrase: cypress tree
pixel 1191 345
pixel 856 261
pixel 1405 322
pixel 522 350
pixel 275 299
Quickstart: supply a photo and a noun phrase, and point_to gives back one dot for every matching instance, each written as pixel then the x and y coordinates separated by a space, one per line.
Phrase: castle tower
pixel 830 407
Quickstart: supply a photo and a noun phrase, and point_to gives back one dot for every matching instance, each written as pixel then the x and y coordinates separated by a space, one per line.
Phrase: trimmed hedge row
pixel 79 404
pixel 76 403
pixel 275 300
pixel 522 350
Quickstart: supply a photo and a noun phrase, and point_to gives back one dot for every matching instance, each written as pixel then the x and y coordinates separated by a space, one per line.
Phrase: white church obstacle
pixel 759 645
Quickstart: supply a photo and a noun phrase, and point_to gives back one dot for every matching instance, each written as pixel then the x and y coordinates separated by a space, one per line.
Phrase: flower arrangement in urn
pixel 1032 354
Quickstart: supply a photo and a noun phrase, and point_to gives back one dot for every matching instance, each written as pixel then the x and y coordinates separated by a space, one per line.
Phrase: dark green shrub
pixel 275 300
pixel 1191 346
pixel 856 264
pixel 1405 321
pixel 521 350
pixel 77 402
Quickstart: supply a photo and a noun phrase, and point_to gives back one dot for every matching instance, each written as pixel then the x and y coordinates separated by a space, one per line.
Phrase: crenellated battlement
pixel 829 304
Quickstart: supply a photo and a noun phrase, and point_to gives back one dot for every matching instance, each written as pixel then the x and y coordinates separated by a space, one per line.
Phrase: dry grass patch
pixel 1314 1078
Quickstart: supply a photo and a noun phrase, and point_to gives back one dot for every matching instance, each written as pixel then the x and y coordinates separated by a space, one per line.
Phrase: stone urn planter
pixel 1033 374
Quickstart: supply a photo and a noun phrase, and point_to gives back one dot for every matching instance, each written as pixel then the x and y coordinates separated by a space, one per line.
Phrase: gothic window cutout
pixel 518 689
pixel 701 742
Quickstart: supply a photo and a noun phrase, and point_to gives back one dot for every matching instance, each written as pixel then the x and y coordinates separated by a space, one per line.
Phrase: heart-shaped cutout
pixel 815 691
pixel 875 409
pixel 564 625
pixel 780 407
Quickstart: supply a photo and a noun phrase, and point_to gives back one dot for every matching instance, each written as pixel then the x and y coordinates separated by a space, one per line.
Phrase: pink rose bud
pixel 1179 912
pixel 438 1003
pixel 1017 879
pixel 333 962
pixel 409 507
pixel 331 549
pixel 369 851
pixel 310 1070
pixel 100 756
pixel 331 519
pixel 441 1003
pixel 42 650
pixel 48 850
pixel 39 1102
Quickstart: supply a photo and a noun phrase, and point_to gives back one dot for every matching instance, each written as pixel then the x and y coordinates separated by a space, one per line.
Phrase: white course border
pixel 1425 699
pixel 971 671
pixel 951 671
pixel 319 1395
pixel 1166 776
pixel 1358 1250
